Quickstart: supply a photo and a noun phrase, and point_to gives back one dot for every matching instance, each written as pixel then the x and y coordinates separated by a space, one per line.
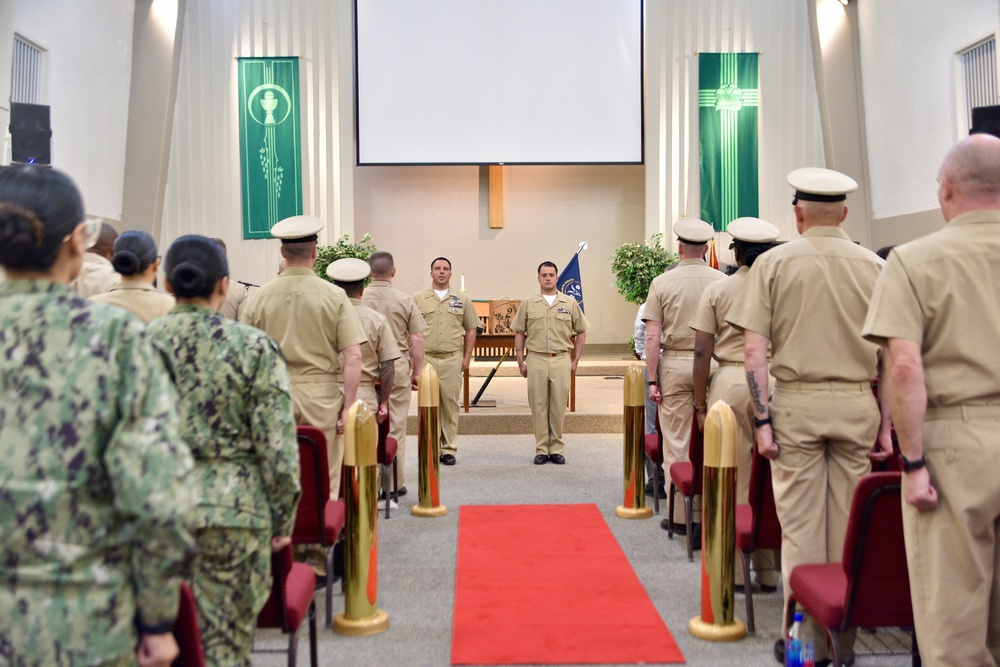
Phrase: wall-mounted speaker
pixel 30 134
pixel 986 120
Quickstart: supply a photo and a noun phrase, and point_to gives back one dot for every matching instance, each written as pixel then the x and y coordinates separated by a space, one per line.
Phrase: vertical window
pixel 978 71
pixel 26 75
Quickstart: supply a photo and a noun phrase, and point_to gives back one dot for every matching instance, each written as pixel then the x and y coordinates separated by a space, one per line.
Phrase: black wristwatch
pixel 910 466
pixel 652 383
pixel 761 422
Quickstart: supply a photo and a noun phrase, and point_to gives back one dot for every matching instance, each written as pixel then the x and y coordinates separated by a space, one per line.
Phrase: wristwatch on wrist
pixel 915 464
pixel 761 422
pixel 652 383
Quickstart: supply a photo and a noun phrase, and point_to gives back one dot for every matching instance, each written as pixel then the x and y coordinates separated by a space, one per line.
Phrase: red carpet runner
pixel 548 584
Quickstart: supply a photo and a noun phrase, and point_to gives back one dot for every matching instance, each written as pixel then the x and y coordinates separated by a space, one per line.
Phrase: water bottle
pixel 793 647
pixel 808 655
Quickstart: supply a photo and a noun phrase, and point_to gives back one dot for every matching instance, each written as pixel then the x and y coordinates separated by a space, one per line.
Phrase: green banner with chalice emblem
pixel 270 149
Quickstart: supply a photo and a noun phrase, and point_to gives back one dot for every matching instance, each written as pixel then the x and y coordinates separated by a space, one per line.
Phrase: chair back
pixel 187 632
pixel 272 615
pixel 765 530
pixel 653 443
pixel 696 453
pixel 387 446
pixel 878 592
pixel 314 475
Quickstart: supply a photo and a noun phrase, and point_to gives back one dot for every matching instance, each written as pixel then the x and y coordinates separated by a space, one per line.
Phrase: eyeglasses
pixel 92 228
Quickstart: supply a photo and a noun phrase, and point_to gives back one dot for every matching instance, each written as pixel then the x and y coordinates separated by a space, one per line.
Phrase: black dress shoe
pixel 779 651
pixel 679 528
pixel 696 537
pixel 541 459
pixel 558 459
pixel 401 492
pixel 448 459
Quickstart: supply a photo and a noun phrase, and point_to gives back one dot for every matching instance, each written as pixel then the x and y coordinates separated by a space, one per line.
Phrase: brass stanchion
pixel 718 516
pixel 429 445
pixel 634 504
pixel 361 613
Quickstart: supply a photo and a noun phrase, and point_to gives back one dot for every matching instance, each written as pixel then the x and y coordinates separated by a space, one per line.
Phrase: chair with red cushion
pixel 387 448
pixel 319 520
pixel 290 603
pixel 757 525
pixel 187 632
pixel 653 444
pixel 870 587
pixel 685 477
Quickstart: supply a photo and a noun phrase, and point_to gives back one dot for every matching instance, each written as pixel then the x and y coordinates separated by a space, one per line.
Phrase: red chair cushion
pixel 744 527
pixel 682 475
pixel 187 632
pixel 300 585
pixel 651 443
pixel 334 519
pixel 386 456
pixel 821 588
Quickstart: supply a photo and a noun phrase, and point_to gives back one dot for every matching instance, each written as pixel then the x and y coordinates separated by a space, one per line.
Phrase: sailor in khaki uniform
pixel 935 307
pixel 544 325
pixel 407 325
pixel 673 298
pixel 137 261
pixel 319 334
pixel 716 339
pixel 236 295
pixel 448 342
pixel 97 275
pixel 809 298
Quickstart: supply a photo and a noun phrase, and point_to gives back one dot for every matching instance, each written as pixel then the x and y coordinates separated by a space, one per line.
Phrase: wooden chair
pixel 187 632
pixel 290 603
pixel 870 587
pixel 387 448
pixel 757 525
pixel 319 520
pixel 653 444
pixel 685 476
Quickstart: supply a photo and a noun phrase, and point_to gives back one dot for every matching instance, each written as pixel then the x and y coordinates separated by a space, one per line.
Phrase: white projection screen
pixel 498 81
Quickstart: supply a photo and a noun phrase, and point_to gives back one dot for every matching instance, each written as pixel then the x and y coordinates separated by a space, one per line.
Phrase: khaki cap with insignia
pixel 298 229
pixel 348 270
pixel 693 231
pixel 816 184
pixel 752 230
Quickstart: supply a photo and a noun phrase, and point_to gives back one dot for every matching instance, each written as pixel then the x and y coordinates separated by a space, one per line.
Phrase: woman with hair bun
pixel 92 490
pixel 236 415
pixel 137 261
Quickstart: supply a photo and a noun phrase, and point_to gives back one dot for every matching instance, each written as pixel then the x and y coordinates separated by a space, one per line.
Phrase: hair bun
pixel 188 277
pixel 19 227
pixel 126 262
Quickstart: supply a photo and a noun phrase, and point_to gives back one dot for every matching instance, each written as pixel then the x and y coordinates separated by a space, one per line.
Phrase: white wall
pixel 908 72
pixel 88 64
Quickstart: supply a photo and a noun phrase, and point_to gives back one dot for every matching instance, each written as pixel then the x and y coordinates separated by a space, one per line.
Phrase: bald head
pixel 105 245
pixel 822 212
pixel 970 176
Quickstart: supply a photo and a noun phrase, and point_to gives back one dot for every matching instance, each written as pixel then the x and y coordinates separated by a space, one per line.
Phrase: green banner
pixel 728 98
pixel 270 149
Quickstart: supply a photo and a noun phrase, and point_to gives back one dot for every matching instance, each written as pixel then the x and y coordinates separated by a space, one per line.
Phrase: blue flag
pixel 569 280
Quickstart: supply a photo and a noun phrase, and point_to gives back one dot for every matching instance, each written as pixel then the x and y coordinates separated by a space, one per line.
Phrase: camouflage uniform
pixel 92 468
pixel 236 415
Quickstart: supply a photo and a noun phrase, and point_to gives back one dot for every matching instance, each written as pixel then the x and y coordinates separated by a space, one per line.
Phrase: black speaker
pixel 30 134
pixel 986 120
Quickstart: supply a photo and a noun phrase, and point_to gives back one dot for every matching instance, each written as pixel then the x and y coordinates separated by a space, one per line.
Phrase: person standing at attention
pixel 137 261
pixel 449 339
pixel 544 326
pixel 319 334
pixel 97 275
pixel 935 308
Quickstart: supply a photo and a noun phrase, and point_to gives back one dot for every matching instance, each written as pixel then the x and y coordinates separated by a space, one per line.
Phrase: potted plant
pixel 636 264
pixel 327 254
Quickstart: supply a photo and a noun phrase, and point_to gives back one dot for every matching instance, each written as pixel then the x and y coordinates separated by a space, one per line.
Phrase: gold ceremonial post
pixel 634 504
pixel 429 445
pixel 718 516
pixel 361 613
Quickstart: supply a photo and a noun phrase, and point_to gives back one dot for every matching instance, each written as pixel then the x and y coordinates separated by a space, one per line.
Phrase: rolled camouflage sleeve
pixel 147 462
pixel 273 432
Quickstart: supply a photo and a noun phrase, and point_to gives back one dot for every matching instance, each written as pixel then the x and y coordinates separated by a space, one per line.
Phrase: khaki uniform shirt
pixel 939 291
pixel 236 298
pixel 380 345
pixel 447 320
pixel 549 329
pixel 810 297
pixel 399 309
pixel 710 317
pixel 673 299
pixel 139 298
pixel 97 276
pixel 311 319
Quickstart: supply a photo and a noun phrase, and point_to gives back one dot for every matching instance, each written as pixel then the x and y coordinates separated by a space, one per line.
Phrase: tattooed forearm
pixel 758 405
pixel 386 377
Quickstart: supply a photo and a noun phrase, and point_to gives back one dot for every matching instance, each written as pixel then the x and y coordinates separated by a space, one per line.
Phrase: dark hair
pixel 438 259
pixel 751 251
pixel 352 288
pixel 39 207
pixel 135 251
pixel 194 266
pixel 884 251
pixel 548 264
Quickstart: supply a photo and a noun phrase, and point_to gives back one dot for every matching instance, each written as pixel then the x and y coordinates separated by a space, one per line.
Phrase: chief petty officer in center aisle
pixel 315 325
pixel 544 325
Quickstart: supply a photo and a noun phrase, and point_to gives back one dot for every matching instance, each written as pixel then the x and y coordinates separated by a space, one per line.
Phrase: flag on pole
pixel 569 280
pixel 713 259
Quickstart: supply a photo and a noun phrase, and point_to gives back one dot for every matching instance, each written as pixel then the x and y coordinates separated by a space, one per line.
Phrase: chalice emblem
pixel 270 103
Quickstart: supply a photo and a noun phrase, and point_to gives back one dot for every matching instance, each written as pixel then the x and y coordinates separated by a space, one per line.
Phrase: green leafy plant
pixel 636 264
pixel 327 254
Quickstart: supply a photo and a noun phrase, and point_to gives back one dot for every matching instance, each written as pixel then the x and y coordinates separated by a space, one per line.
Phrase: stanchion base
pixel 717 633
pixel 363 626
pixel 440 510
pixel 634 512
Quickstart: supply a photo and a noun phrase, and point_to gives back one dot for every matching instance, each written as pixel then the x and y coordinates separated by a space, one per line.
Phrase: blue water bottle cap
pixel 798 617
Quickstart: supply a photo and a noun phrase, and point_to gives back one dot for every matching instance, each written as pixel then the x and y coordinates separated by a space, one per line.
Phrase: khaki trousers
pixel 825 436
pixel 729 384
pixel 548 396
pixel 676 378
pixel 399 409
pixel 366 392
pixel 953 551
pixel 449 370
pixel 319 404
